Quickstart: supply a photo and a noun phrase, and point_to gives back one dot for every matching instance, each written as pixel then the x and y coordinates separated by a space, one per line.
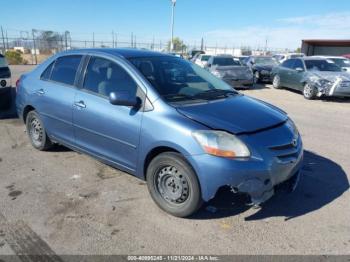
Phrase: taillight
pixel 17 84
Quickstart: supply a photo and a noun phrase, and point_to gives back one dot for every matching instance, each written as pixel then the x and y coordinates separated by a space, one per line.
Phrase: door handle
pixel 40 92
pixel 80 104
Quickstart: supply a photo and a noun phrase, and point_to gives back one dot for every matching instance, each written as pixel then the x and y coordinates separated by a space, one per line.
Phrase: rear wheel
pixel 36 132
pixel 173 185
pixel 309 91
pixel 257 77
pixel 276 82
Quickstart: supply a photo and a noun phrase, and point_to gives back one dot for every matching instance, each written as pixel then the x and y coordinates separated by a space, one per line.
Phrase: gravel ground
pixel 61 202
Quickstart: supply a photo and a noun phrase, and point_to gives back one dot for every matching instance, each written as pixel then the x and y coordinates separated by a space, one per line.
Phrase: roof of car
pixel 331 57
pixel 122 52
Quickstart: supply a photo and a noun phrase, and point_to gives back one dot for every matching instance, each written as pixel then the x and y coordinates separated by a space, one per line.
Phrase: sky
pixel 282 24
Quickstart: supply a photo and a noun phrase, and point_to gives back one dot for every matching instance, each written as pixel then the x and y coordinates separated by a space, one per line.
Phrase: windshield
pixel 205 58
pixel 225 61
pixel 265 61
pixel 3 62
pixel 322 65
pixel 341 62
pixel 178 80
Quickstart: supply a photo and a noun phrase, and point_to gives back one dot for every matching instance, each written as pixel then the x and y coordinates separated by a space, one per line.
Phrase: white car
pixel 340 61
pixel 202 60
pixel 280 58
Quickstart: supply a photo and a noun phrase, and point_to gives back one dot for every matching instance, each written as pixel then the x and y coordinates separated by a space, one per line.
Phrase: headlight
pixel 293 128
pixel 220 143
pixel 217 74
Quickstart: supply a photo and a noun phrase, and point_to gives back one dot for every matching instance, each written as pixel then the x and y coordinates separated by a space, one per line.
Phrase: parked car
pixel 193 54
pixel 5 84
pixel 262 67
pixel 280 58
pixel 313 76
pixel 162 119
pixel 243 59
pixel 202 60
pixel 230 70
pixel 340 61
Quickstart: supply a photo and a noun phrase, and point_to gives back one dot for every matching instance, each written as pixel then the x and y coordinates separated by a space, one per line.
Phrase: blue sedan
pixel 164 120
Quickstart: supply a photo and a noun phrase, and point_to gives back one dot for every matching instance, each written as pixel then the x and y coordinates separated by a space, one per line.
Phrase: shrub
pixel 14 57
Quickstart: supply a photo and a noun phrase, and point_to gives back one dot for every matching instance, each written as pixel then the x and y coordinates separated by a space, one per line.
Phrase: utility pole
pixel 113 39
pixel 116 40
pixel 65 40
pixel 202 44
pixel 34 46
pixel 93 40
pixel 135 42
pixel 7 41
pixel 3 41
pixel 173 3
pixel 132 40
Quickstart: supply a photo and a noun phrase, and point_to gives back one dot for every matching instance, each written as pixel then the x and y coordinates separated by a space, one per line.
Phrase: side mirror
pixel 123 98
pixel 299 69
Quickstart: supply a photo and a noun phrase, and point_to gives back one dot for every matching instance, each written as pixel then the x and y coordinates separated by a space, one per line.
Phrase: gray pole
pixel 93 40
pixel 35 54
pixel 3 41
pixel 173 2
pixel 113 39
pixel 7 41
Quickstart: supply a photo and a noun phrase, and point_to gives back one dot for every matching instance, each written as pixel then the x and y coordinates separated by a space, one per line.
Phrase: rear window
pixel 65 69
pixel 3 62
pixel 225 61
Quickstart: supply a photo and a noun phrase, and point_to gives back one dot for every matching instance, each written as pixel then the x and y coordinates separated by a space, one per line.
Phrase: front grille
pixel 286 153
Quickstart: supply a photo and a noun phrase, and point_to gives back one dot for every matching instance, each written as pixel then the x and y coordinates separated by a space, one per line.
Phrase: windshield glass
pixel 3 62
pixel 265 61
pixel 322 65
pixel 225 61
pixel 341 62
pixel 178 80
pixel 205 58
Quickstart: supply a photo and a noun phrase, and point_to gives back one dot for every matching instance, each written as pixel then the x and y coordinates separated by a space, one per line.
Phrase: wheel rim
pixel 172 185
pixel 307 91
pixel 36 131
pixel 276 81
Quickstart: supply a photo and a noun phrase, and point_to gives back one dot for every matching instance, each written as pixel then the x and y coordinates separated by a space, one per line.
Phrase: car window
pixel 225 61
pixel 298 64
pixel 104 76
pixel 65 69
pixel 341 62
pixel 3 62
pixel 179 81
pixel 265 61
pixel 322 65
pixel 288 63
pixel 47 73
pixel 205 58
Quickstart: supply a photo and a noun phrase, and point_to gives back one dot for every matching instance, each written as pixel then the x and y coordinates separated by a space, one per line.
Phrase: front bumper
pixel 239 83
pixel 265 76
pixel 337 89
pixel 258 176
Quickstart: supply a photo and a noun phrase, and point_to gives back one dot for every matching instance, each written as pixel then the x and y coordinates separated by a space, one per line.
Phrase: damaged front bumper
pixel 239 83
pixel 339 88
pixel 276 159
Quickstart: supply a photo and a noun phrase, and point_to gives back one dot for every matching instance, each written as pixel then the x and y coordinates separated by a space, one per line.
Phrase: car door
pixel 297 75
pixel 54 94
pixel 286 72
pixel 110 132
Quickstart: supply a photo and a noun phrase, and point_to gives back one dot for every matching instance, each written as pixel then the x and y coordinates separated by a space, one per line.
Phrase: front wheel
pixel 276 82
pixel 257 77
pixel 173 185
pixel 36 132
pixel 309 91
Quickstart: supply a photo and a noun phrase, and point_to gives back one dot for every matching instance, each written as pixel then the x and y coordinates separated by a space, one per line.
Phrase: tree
pixel 49 40
pixel 179 45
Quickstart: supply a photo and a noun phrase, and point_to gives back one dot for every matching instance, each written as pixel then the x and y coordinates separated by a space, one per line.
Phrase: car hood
pixel 237 114
pixel 331 76
pixel 264 67
pixel 236 72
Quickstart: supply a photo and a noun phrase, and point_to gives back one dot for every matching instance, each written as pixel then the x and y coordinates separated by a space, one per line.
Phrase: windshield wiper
pixel 214 93
pixel 175 97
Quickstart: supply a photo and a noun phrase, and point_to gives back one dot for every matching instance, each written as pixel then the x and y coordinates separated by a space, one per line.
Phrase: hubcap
pixel 307 90
pixel 172 185
pixel 276 81
pixel 36 131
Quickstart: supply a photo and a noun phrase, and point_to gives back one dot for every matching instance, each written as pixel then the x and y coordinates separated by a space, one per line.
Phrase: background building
pixel 325 47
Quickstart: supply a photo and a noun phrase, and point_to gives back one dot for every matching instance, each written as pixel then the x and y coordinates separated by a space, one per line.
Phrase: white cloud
pixel 287 32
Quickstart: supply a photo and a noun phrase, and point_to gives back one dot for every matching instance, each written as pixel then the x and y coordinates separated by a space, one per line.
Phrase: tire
pixel 173 185
pixel 36 132
pixel 309 91
pixel 276 82
pixel 257 77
